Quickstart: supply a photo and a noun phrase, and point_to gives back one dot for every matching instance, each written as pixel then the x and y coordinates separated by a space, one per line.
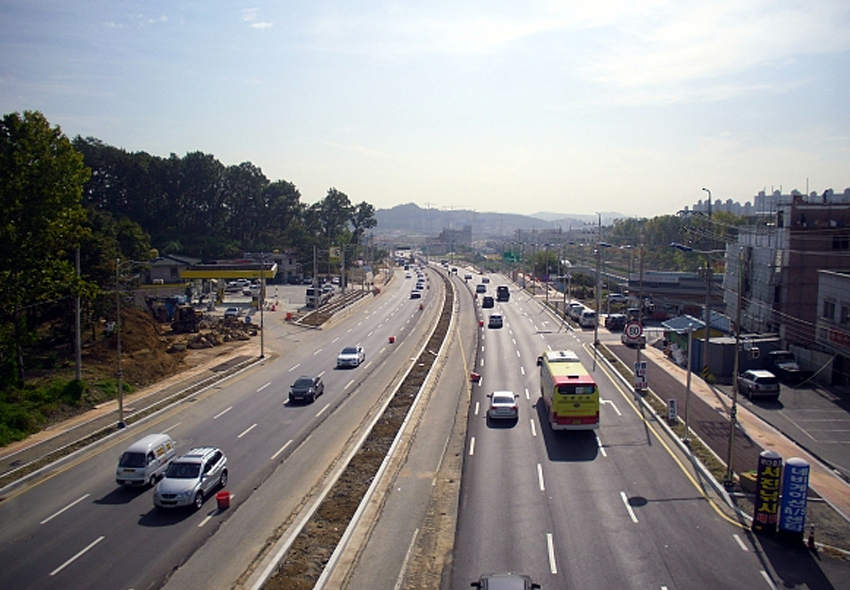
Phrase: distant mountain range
pixel 412 220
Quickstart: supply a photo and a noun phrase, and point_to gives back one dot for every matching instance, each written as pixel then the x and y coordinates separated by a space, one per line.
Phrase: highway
pixel 77 529
pixel 607 509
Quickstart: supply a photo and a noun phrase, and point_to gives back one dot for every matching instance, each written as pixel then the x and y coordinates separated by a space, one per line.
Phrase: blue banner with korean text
pixel 792 508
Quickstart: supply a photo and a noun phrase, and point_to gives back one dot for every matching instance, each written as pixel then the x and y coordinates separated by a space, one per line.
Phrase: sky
pixel 580 107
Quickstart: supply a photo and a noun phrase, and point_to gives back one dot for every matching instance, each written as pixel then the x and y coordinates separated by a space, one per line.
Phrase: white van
pixel 145 460
pixel 587 318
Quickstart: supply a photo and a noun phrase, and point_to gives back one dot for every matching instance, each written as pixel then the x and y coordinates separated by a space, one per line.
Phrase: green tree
pixel 41 220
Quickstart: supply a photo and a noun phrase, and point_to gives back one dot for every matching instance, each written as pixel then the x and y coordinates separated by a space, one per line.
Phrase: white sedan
pixel 351 356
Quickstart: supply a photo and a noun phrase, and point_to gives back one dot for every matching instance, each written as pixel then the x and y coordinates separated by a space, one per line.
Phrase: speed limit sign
pixel 633 330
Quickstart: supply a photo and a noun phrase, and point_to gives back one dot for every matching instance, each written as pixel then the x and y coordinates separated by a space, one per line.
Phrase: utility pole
pixel 598 283
pixel 120 373
pixel 733 412
pixel 78 344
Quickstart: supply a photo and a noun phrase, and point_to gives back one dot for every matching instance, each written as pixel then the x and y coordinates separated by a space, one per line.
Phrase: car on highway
pixel 306 389
pixel 415 294
pixel 758 383
pixel 487 301
pixel 350 356
pixel 503 405
pixel 480 288
pixel 190 479
pixel 485 279
pixel 495 321
pixel 506 581
pixel 618 298
pixel 232 312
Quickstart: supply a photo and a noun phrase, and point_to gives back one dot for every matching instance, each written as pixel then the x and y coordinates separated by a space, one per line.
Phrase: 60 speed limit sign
pixel 633 330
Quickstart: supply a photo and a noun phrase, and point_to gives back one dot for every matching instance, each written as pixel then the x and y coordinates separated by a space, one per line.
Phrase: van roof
pixel 146 441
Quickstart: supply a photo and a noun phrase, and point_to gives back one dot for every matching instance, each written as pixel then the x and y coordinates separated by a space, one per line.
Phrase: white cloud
pixel 261 25
pixel 249 14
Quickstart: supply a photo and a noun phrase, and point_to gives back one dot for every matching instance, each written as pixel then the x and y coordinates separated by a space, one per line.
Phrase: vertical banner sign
pixel 640 375
pixel 792 509
pixel 767 492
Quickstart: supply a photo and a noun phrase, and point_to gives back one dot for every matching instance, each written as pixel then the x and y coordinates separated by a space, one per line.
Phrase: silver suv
pixel 190 479
pixel 756 383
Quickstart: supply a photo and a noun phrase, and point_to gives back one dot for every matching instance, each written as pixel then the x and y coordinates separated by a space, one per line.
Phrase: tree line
pixel 62 200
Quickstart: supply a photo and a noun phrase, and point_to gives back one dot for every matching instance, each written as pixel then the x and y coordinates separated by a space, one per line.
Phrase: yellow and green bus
pixel 568 390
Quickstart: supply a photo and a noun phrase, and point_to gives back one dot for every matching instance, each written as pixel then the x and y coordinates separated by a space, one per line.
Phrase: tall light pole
pixel 120 373
pixel 733 412
pixel 709 201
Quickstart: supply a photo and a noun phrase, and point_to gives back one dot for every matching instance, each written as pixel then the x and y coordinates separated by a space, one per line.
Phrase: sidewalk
pixel 708 418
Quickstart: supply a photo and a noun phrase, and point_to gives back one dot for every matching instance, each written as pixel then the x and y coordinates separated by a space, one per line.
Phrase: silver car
pixel 350 356
pixel 503 405
pixel 191 478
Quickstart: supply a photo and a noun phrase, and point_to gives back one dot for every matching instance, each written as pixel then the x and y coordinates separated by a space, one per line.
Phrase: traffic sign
pixel 633 330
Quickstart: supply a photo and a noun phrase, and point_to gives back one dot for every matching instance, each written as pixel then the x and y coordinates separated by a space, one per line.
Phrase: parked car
pixel 495 321
pixel 503 404
pixel 758 383
pixel 350 356
pixel 306 388
pixel 189 479
pixel 783 364
pixel 487 301
pixel 618 298
pixel 232 312
pixel 505 581
pixel 615 322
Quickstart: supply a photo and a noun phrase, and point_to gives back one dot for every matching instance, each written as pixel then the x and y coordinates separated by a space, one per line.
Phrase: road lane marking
pixel 628 507
pixel 526 394
pixel 322 374
pixel 70 561
pixel 400 579
pixel 281 449
pixel 767 579
pixel 476 408
pixel 612 404
pixel 317 352
pixel 482 362
pixel 347 385
pixel 71 505
pixel 319 413
pixel 264 386
pixel 222 413
pixel 601 448
pixel 540 478
pixel 472 446
pixel 518 353
pixel 522 369
pixel 293 367
pixel 335 339
pixel 740 542
pixel 533 428
pixel 172 427
pixel 247 430
pixel 550 543
pixel 210 515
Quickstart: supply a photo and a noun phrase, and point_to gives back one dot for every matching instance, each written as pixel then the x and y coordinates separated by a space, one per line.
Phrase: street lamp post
pixel 733 412
pixel 120 373
pixel 709 201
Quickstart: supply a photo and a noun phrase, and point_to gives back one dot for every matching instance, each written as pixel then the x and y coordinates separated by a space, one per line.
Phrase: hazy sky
pixel 574 107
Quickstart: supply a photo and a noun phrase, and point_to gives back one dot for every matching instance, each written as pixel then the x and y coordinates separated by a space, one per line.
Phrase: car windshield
pixel 349 350
pixel 304 382
pixel 183 470
pixel 132 460
pixel 503 399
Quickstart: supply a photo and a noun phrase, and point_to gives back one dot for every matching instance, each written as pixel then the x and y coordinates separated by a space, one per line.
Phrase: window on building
pixel 174 272
pixel 841 242
pixel 829 310
pixel 845 315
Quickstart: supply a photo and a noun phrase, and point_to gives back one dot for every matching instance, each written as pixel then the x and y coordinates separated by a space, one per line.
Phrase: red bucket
pixel 392 339
pixel 223 499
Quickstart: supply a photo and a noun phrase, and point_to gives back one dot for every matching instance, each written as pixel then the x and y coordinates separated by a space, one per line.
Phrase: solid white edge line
pixel 222 413
pixel 628 507
pixel 57 513
pixel 281 449
pixel 400 579
pixel 80 553
pixel 767 579
pixel 553 568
